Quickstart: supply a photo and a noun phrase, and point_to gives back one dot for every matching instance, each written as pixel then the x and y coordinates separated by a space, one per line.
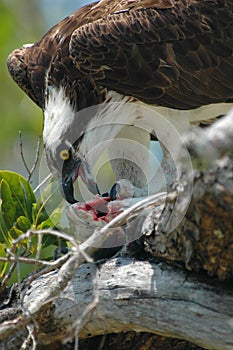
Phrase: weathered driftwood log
pixel 123 295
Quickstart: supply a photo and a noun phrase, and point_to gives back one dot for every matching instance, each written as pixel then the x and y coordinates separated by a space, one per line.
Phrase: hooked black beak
pixel 67 182
pixel 67 189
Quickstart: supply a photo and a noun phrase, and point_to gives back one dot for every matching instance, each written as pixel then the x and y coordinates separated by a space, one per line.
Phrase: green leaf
pixel 19 212
pixel 14 232
pixel 23 223
pixel 48 252
pixel 48 204
pixel 53 219
pixel 8 209
pixel 3 265
pixel 22 196
pixel 4 237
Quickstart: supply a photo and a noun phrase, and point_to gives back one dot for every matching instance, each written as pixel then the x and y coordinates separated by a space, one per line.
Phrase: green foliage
pixel 18 112
pixel 19 212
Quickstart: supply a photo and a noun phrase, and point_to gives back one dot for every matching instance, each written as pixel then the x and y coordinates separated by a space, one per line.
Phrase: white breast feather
pixel 58 115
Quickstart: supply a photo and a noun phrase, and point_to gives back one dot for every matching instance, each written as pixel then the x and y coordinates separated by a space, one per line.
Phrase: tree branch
pixel 140 296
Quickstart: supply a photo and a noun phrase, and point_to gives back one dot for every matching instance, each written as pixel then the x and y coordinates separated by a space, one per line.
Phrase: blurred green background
pixel 21 22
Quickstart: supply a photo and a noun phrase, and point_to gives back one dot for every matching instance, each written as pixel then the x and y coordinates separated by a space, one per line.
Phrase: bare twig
pixel 31 233
pixel 39 245
pixel 52 266
pixel 30 341
pixel 21 152
pixel 29 171
pixel 42 183
pixel 9 274
pixel 36 158
pixel 30 261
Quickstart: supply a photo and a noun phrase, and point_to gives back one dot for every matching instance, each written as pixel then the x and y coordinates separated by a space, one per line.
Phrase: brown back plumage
pixel 174 53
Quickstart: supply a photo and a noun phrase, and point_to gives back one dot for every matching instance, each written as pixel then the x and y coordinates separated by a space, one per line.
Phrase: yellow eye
pixel 64 154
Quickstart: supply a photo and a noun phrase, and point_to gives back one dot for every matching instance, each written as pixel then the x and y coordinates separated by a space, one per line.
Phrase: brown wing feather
pixel 173 53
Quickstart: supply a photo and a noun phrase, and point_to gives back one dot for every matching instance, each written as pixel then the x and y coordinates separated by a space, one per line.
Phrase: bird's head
pixel 62 139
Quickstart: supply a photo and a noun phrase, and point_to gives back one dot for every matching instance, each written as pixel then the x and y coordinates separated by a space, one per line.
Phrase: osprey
pixel 174 56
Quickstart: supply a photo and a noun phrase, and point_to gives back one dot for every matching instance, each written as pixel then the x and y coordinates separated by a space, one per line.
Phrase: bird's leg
pixel 129 155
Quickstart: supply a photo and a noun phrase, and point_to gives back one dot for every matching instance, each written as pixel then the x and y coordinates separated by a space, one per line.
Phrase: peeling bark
pixel 204 239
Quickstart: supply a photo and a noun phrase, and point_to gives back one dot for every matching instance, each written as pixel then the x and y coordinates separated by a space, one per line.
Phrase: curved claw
pixel 113 192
